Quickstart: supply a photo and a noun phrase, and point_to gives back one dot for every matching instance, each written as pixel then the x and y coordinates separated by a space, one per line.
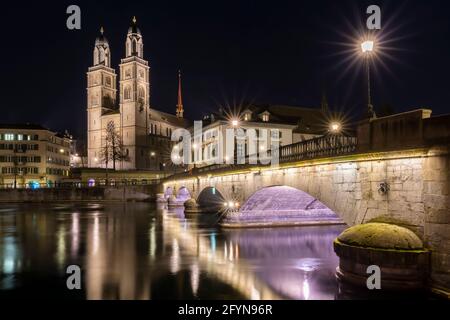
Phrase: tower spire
pixel 180 109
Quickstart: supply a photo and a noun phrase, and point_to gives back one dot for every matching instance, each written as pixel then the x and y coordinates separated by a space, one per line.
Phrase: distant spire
pixel 102 30
pixel 134 19
pixel 324 103
pixel 180 109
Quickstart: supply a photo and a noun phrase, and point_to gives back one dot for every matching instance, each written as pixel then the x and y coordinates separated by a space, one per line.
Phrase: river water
pixel 139 251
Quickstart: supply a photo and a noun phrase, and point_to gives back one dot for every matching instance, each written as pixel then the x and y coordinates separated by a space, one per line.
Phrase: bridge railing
pixel 325 146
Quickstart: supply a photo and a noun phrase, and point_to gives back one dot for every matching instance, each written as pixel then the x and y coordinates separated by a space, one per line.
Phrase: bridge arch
pixel 280 204
pixel 168 192
pixel 211 199
pixel 183 194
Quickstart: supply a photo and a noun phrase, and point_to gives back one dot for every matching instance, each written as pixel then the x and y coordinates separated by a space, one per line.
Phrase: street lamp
pixel 367 48
pixel 335 127
pixel 235 122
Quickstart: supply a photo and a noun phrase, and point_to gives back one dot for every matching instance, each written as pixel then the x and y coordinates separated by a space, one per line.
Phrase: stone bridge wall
pixel 418 195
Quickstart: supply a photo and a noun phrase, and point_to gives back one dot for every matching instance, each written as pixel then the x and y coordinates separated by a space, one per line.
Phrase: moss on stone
pixel 382 236
pixel 387 219
pixel 191 204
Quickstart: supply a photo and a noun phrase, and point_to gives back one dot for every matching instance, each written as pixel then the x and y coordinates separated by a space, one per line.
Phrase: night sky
pixel 277 52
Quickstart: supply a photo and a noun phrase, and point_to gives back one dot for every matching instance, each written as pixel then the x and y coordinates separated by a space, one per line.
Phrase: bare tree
pixel 112 148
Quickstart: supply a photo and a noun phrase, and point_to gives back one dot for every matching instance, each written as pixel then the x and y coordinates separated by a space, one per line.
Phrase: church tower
pixel 101 96
pixel 135 101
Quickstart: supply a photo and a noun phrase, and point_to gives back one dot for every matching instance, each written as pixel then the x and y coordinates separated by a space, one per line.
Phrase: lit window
pixel 265 117
pixel 9 137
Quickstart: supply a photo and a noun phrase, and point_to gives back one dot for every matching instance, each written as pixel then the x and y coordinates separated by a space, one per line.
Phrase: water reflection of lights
pixel 10 256
pixel 306 291
pixel 195 278
pixel 175 257
pixel 96 236
pixel 152 240
pixel 217 263
pixel 212 239
pixel 61 246
pixel 75 233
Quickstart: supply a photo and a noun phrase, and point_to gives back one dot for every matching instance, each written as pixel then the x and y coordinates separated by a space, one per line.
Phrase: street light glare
pixel 335 127
pixel 367 46
pixel 235 123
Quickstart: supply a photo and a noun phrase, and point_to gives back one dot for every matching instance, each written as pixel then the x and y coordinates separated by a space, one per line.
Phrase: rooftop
pixel 25 126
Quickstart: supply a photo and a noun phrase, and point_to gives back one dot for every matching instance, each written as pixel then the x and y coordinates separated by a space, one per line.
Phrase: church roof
pixel 169 118
pixel 101 39
pixel 133 27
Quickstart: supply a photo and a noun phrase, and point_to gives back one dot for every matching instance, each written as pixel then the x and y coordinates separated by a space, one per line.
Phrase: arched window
pixel 141 93
pixel 127 93
pixel 134 47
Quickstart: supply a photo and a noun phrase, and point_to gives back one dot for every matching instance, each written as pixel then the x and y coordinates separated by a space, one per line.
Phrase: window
pixel 127 93
pixel 134 47
pixel 265 117
pixel 9 137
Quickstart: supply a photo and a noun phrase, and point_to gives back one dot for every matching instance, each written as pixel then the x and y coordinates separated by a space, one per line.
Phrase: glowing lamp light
pixel 61 150
pixel 194 146
pixel 335 127
pixel 152 153
pixel 367 46
pixel 235 123
pixel 262 148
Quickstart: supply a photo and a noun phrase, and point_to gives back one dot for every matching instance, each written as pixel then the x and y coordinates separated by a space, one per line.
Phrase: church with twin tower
pixel 144 131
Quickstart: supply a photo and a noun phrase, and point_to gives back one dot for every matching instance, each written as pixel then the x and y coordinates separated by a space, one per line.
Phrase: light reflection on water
pixel 135 251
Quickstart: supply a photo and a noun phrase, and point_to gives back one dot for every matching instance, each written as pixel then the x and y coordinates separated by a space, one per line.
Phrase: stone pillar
pixel 437 219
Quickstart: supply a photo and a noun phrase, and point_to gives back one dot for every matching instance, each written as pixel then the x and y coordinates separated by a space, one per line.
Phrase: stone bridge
pixel 399 170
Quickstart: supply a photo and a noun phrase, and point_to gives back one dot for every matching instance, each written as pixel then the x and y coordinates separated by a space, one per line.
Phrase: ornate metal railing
pixel 325 146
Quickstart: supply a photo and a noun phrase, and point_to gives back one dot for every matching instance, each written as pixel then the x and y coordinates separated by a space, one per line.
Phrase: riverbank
pixel 120 193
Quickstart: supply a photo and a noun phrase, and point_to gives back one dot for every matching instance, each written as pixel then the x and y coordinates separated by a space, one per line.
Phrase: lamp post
pixel 367 48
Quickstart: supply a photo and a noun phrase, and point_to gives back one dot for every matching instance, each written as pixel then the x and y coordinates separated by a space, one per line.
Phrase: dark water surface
pixel 136 251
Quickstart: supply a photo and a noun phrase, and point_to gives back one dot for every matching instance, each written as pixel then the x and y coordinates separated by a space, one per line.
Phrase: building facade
pixel 270 125
pixel 32 156
pixel 142 133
